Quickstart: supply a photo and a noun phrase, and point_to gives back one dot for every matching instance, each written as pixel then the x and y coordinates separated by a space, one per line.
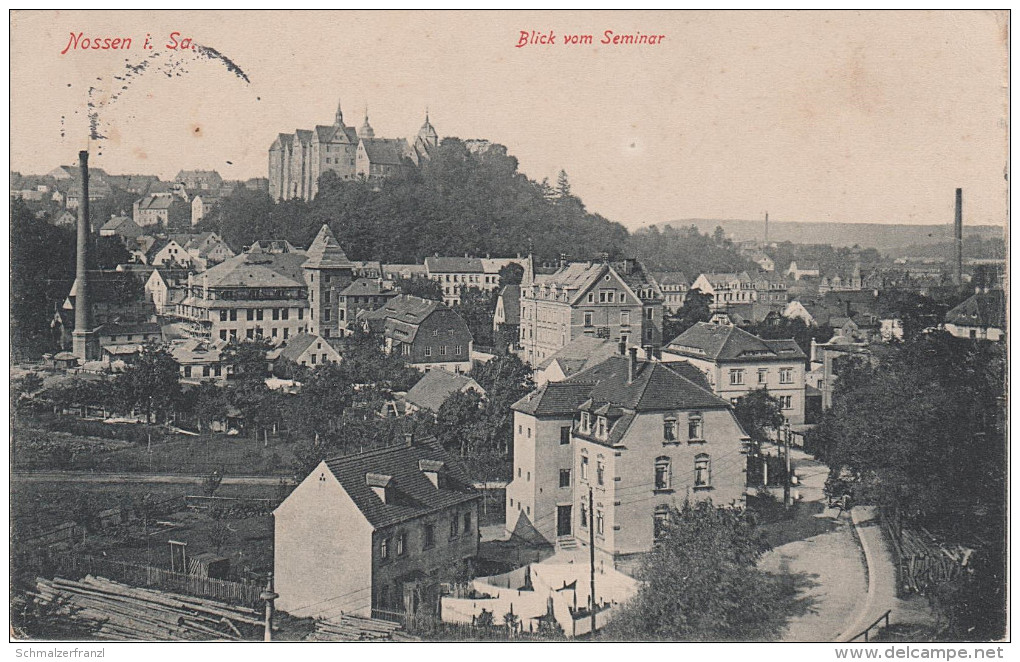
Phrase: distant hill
pixel 867 235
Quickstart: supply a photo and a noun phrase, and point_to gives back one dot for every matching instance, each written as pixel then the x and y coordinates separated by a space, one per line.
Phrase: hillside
pixel 868 235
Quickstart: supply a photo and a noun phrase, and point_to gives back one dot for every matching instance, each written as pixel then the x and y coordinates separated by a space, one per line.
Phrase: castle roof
pixel 326 253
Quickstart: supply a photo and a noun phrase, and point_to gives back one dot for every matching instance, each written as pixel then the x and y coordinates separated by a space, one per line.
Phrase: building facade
pixel 426 334
pixel 617 301
pixel 736 362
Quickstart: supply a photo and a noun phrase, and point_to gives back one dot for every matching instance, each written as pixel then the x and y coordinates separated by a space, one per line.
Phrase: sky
pixel 811 116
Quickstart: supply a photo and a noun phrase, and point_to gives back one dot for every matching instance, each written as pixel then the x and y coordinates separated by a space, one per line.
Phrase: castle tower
pixel 427 134
pixel 327 272
pixel 339 121
pixel 365 131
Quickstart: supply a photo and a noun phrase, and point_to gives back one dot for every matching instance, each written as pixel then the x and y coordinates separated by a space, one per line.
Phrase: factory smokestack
pixel 958 237
pixel 766 229
pixel 82 344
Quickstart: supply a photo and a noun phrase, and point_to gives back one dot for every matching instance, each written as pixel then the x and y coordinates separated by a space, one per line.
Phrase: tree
pixel 178 216
pixel 426 288
pixel 151 383
pixel 696 308
pixel 760 414
pixel 563 185
pixel 702 583
pixel 477 307
pixel 110 252
pixel 511 274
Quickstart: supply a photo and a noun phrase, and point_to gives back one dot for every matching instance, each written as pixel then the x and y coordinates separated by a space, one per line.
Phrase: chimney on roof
pixel 632 365
pixel 649 352
pixel 563 260
pixel 958 236
pixel 409 439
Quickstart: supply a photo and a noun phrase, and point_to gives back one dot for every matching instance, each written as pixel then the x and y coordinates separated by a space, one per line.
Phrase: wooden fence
pixel 923 561
pixel 238 593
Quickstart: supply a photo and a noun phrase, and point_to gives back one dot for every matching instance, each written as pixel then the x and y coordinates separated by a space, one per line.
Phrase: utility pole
pixel 786 450
pixel 269 596
pixel 591 551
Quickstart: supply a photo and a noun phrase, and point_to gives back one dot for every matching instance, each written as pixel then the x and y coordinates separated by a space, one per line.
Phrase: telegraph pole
pixel 786 449
pixel 591 552
pixel 269 596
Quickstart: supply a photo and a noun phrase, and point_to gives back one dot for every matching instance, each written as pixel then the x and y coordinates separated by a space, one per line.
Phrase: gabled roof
pixel 122 225
pixel 433 389
pixel 671 278
pixel 325 252
pixel 511 296
pixel 451 265
pixel 410 494
pixel 367 287
pixel 386 151
pixel 257 270
pixel 717 342
pixel 394 271
pixel 580 353
pixel 297 345
pixel 555 398
pixel 985 309
pixel 656 386
pixel 154 201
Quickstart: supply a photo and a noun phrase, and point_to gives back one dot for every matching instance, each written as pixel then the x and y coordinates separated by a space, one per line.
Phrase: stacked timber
pixel 924 562
pixel 119 612
pixel 356 628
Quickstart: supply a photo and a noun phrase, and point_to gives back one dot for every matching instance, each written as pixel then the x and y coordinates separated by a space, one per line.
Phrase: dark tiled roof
pixel 411 493
pixel 719 342
pixel 454 265
pixel 367 287
pixel 511 296
pixel 986 309
pixel 655 387
pixel 326 253
pixel 386 151
pixel 671 278
pixel 436 386
pixel 297 345
pixel 555 399
pixel 257 270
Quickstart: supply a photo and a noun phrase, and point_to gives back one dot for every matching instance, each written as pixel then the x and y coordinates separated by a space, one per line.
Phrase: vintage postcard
pixel 446 326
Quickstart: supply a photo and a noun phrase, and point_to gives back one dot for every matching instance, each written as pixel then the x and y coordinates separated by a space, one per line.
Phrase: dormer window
pixel 381 484
pixel 432 470
pixel 585 421
pixel 602 427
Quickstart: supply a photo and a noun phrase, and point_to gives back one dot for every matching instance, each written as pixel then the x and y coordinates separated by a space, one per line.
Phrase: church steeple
pixel 339 115
pixel 427 133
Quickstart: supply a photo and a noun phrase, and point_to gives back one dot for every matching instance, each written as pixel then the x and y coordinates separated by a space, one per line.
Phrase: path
pixel 825 555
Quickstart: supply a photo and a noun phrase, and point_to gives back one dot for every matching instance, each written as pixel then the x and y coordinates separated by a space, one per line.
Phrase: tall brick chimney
pixel 82 339
pixel 958 237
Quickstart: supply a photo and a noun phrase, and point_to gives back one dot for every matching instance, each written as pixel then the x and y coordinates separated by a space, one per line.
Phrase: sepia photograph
pixel 509 327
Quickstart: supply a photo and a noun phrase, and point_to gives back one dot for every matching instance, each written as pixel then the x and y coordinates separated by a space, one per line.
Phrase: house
pixel 127 333
pixel 98 189
pixel 633 438
pixel 575 356
pixel 153 209
pixel 764 262
pixel 725 288
pixel 456 273
pixel 435 388
pixel 377 158
pixel 395 272
pixel 367 268
pixel 619 301
pixel 199 360
pixel 66 219
pixel 202 205
pixel 205 249
pixel 805 269
pixel 121 226
pixel 506 319
pixel 425 334
pixel 166 287
pixel 674 286
pixel 199 180
pixel 737 362
pixel 168 252
pixel 308 350
pixel 770 288
pixel 361 530
pixel 981 317
pixel 327 273
pixel 362 294
pixel 120 312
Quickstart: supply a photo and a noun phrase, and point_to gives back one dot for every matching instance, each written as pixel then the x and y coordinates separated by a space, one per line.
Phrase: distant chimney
pixel 958 236
pixel 409 439
pixel 649 352
pixel 83 337
pixel 766 228
pixel 632 365
pixel 563 260
pixel 623 348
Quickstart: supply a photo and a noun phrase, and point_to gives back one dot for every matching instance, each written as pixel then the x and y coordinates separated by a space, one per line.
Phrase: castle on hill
pixel 297 160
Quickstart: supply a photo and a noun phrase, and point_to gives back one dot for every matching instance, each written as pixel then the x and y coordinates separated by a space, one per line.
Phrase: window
pixel 223 316
pixel 527 431
pixel 405 349
pixel 763 375
pixel 624 318
pixel 428 350
pixel 786 375
pixel 599 522
pixel 584 514
pixel 519 474
pixel 564 435
pixel 520 429
pixel 650 313
pixel 564 477
pixel 187 371
pixel 786 401
pixel 457 349
pixel 454 527
pixel 223 334
pixel 286 332
pixel 588 319
pixel 529 476
pixel 591 297
pixel 300 314
pixel 661 519
pixel 251 314
pixel 258 314
pixel 401 543
pixel 584 467
pixel 250 333
pixel 694 426
pixel 602 426
pixel 669 428
pixel 435 332
pixel 648 334
pixel 585 421
pixel 274 332
pixel 328 315
pixel 702 470
pixel 736 377
pixel 467 522
pixel 663 473
pixel 285 314
pixel 313 358
pixel 233 314
pixel 384 548
pixel 430 536
pixel 442 350
pixel 600 472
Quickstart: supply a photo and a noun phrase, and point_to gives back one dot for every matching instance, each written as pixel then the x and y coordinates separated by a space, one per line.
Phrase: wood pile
pixel 924 562
pixel 356 628
pixel 125 613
